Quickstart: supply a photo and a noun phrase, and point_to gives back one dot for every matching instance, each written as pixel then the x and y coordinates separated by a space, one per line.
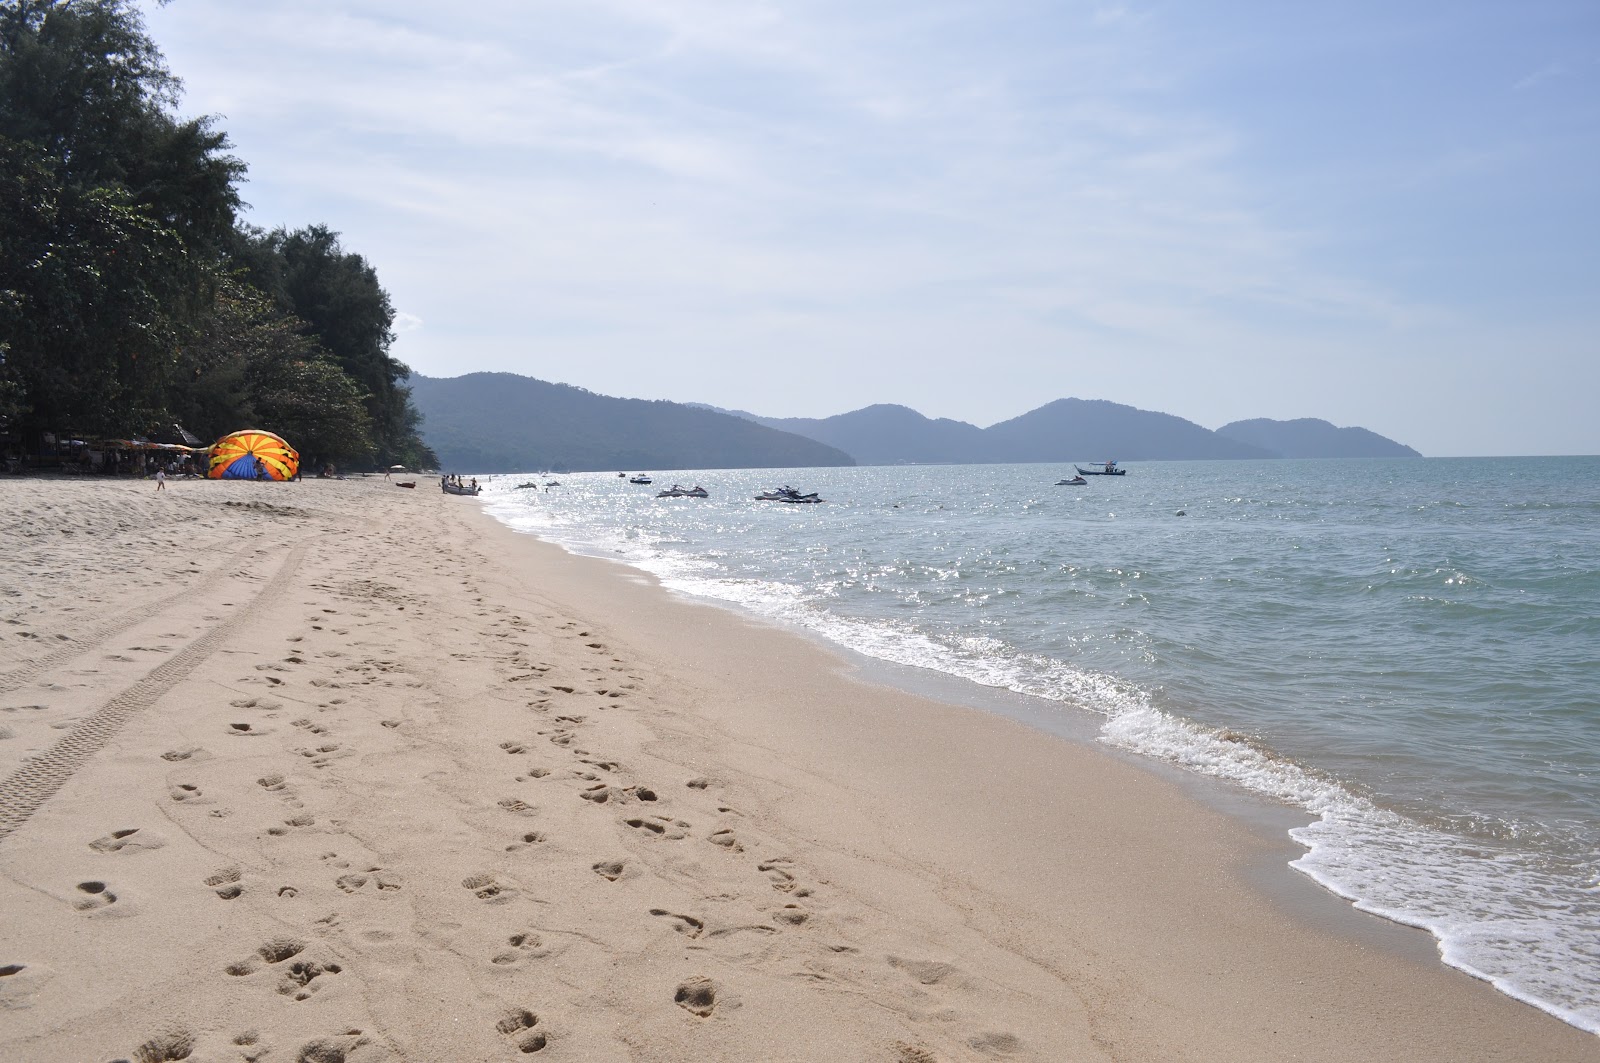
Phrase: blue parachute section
pixel 243 468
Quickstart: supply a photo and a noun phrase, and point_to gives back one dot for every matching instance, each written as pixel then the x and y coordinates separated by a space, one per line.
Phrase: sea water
pixel 1409 650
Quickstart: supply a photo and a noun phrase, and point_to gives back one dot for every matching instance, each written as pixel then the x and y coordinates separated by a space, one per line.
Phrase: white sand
pixel 336 771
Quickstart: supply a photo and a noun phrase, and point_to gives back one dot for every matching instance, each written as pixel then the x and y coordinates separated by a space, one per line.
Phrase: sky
pixel 1381 214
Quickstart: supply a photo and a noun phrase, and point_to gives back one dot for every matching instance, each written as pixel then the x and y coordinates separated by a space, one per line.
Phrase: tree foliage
pixel 125 281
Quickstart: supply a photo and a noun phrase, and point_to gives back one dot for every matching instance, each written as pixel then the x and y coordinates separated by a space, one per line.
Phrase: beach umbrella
pixel 397 468
pixel 235 456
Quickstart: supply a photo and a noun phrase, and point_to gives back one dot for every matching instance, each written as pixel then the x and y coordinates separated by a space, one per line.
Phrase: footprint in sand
pixel 383 881
pixel 517 806
pixel 172 1045
pixel 487 889
pixel 20 982
pixel 523 945
pixel 247 730
pixel 519 1024
pixel 792 914
pixel 296 979
pixel 532 837
pixel 727 839
pixel 778 874
pixel 992 1043
pixel 324 754
pixel 687 925
pixel 127 840
pixel 184 792
pixel 928 972
pixel 226 882
pixel 698 996
pixel 610 870
pixel 96 896
pixel 326 1049
pixel 181 754
pixel 659 827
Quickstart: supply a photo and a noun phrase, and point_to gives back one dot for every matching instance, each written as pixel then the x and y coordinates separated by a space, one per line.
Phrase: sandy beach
pixel 334 771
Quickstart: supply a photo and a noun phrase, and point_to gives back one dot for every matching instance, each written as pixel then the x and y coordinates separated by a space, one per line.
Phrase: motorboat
pixel 1076 481
pixel 679 491
pixel 524 487
pixel 787 494
pixel 1101 468
pixel 640 479
pixel 458 488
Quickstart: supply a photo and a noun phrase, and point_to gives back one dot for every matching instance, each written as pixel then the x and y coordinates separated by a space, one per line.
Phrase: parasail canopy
pixel 253 455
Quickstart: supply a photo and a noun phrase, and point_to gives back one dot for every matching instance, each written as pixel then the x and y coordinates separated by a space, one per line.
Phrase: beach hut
pixel 253 455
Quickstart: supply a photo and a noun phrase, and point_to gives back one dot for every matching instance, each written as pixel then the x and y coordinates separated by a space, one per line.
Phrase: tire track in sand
pixel 37 780
pixel 81 644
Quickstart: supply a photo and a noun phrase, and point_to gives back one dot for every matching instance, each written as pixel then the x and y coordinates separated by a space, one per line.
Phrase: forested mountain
pixel 500 422
pixel 1064 430
pixel 1311 437
pixel 130 296
pixel 890 435
pixel 1093 430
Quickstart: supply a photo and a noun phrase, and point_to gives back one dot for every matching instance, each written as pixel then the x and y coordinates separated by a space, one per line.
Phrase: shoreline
pixel 1264 821
pixel 1270 818
pixel 499 798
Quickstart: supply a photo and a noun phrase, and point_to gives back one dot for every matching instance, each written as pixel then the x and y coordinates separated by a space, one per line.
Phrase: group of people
pixel 451 479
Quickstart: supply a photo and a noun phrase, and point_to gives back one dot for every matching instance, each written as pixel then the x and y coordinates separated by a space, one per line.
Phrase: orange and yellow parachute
pixel 253 455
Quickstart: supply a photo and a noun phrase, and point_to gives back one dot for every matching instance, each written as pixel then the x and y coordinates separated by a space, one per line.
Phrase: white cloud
pixel 675 192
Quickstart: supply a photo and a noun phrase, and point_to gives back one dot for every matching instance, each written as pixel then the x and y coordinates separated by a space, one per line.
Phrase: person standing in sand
pixel 161 479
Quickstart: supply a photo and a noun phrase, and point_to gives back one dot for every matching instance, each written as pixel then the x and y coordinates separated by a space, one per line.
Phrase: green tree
pixel 116 216
pixel 252 365
pixel 336 292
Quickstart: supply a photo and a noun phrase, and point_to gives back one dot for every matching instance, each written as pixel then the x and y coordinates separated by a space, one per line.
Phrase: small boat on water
pixel 679 491
pixel 1101 468
pixel 1076 481
pixel 788 494
pixel 640 479
pixel 459 489
pixel 524 487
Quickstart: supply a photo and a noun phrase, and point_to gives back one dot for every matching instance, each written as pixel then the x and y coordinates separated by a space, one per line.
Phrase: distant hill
pixel 1310 437
pixel 501 422
pixel 1064 430
pixel 1095 430
pixel 890 435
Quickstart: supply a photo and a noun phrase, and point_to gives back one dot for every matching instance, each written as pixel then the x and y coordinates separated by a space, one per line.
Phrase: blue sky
pixel 1380 214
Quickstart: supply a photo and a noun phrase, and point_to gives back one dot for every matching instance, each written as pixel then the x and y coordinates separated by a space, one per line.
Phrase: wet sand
pixel 337 771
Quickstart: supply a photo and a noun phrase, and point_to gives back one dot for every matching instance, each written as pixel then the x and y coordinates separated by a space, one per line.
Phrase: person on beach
pixel 161 479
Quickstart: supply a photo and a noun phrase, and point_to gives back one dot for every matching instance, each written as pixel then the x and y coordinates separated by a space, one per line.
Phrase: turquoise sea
pixel 1408 650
